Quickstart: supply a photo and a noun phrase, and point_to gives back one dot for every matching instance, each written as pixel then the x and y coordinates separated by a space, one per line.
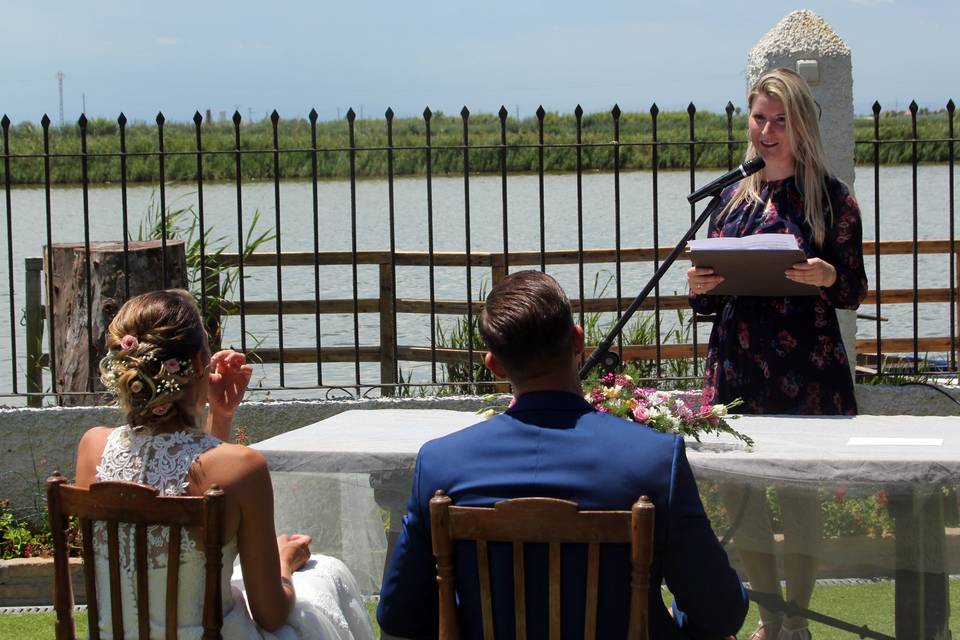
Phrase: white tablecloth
pixel 905 451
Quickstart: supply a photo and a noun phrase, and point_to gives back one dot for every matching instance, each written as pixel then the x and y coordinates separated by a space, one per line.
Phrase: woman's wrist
pixel 219 423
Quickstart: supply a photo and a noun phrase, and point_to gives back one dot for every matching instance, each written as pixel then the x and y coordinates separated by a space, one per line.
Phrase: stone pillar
pixel 805 43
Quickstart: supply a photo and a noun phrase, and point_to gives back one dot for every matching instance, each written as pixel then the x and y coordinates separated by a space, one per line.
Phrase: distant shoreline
pixel 295 152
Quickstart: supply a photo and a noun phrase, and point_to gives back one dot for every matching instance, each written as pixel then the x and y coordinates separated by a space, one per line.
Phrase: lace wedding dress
pixel 328 607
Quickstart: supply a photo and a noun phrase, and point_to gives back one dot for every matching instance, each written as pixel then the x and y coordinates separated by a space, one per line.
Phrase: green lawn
pixel 858 604
pixel 39 626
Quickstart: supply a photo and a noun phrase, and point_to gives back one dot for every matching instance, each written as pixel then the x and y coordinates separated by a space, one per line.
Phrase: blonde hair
pixel 803 136
pixel 152 343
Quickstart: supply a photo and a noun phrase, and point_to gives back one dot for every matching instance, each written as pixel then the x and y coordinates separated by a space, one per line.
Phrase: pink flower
pixel 513 401
pixel 640 413
pixel 136 386
pixel 129 343
pixel 172 365
pixel 707 396
pixel 840 495
pixel 161 410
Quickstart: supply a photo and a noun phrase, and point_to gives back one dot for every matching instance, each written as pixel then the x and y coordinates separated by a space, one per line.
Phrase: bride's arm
pixel 267 561
pixel 228 379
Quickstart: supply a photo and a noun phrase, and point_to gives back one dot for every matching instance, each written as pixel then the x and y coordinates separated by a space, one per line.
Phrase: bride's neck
pixel 170 426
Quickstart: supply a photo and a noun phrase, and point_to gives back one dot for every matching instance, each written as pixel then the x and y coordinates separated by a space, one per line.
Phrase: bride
pixel 161 372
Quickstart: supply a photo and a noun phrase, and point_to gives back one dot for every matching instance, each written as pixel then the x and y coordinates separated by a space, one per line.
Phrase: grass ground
pixel 39 626
pixel 858 604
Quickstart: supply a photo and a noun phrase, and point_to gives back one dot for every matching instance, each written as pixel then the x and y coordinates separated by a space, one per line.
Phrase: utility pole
pixel 60 84
pixel 83 98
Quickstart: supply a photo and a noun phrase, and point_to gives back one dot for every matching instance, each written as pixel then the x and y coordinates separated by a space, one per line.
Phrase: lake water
pixel 560 192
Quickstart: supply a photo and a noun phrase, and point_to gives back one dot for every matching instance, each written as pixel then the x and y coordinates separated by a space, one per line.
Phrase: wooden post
pixel 80 346
pixel 498 269
pixel 388 330
pixel 953 344
pixel 34 320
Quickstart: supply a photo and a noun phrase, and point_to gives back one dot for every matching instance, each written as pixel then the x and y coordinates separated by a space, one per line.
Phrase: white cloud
pixel 167 41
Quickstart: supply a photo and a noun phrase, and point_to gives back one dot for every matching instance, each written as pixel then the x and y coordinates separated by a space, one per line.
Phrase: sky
pixel 294 55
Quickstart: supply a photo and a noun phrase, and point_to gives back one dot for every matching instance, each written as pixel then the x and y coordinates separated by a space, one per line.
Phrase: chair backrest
pixel 541 520
pixel 140 506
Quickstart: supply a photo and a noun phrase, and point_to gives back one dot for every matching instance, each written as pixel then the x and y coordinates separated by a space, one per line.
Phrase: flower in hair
pixel 161 410
pixel 129 343
pixel 136 386
pixel 172 365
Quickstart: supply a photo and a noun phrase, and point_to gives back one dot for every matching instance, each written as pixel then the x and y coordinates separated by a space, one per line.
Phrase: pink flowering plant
pixel 678 412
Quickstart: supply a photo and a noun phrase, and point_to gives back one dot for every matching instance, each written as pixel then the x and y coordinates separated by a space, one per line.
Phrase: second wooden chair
pixel 541 520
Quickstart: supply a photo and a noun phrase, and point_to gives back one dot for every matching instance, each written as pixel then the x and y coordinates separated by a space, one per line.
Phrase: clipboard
pixel 752 265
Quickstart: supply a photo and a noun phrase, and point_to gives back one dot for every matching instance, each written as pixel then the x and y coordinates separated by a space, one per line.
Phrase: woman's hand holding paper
pixel 814 271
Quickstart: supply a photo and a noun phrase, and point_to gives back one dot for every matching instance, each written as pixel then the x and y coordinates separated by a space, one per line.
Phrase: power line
pixel 60 83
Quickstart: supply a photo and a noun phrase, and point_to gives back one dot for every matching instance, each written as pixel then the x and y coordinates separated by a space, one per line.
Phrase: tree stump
pixel 78 346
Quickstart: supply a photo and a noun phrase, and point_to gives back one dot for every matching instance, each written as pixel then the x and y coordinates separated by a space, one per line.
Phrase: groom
pixel 552 443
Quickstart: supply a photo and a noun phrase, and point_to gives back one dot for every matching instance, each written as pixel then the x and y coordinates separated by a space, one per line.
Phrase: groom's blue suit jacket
pixel 555 444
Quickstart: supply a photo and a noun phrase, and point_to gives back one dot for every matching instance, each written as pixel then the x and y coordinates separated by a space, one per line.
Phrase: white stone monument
pixel 805 43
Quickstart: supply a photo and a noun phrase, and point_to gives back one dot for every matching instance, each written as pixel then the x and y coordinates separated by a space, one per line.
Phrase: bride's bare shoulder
pixel 94 440
pixel 89 451
pixel 239 460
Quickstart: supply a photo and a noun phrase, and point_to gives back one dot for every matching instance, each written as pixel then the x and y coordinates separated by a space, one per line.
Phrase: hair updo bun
pixel 149 367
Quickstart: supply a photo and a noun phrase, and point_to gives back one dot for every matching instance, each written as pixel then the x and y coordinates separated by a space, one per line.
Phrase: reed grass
pixel 409 139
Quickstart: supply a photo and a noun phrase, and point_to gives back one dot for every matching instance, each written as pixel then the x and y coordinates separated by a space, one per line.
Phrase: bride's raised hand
pixel 229 376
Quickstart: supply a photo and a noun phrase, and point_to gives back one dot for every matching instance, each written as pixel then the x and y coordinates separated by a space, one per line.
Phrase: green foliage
pixel 843 515
pixel 675 373
pixel 20 538
pixel 712 149
pixel 203 269
pixel 463 334
pixel 897 371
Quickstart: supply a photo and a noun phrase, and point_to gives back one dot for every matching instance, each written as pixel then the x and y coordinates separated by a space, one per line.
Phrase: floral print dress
pixel 785 355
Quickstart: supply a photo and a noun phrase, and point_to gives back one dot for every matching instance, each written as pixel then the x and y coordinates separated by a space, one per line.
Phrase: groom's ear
pixel 494 365
pixel 578 340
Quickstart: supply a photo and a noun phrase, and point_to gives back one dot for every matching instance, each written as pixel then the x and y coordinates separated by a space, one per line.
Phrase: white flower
pixel 719 410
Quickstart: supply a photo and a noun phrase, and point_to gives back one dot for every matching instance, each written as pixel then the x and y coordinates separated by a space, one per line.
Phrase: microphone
pixel 748 168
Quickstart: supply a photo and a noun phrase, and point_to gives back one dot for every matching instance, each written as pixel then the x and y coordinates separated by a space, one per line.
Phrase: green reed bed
pixel 636 132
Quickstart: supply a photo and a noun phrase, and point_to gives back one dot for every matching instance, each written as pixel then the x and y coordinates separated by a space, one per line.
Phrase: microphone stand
pixel 602 352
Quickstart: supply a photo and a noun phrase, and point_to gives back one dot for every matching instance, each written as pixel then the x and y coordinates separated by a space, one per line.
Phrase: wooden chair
pixel 541 520
pixel 141 506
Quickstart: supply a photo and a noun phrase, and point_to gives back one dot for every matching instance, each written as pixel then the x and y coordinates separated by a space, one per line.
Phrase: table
pixel 367 457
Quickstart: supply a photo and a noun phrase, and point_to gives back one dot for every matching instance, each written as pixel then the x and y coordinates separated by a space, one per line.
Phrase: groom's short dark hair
pixel 526 322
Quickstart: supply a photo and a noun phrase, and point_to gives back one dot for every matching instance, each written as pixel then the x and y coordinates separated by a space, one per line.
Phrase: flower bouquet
pixel 680 413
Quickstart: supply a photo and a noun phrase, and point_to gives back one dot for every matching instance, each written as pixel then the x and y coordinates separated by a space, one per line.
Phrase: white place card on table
pixel 909 442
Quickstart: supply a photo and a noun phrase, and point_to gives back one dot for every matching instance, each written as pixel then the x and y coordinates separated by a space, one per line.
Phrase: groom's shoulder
pixel 479 431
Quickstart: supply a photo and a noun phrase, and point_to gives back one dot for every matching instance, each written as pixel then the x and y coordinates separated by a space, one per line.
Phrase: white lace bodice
pixel 160 460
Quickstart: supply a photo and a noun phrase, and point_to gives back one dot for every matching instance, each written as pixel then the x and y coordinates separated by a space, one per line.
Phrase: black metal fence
pixel 389 352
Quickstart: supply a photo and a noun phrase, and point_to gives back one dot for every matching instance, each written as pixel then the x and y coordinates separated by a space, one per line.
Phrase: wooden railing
pixel 389 353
